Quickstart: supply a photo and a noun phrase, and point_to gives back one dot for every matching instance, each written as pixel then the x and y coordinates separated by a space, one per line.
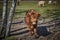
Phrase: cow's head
pixel 33 16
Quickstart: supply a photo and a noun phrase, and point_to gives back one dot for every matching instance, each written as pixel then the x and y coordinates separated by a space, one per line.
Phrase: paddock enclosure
pixel 49 21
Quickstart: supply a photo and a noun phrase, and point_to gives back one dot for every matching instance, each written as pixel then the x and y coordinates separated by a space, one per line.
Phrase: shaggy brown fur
pixel 31 18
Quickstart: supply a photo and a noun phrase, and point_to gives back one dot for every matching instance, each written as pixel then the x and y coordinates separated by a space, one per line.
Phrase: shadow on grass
pixel 18 29
pixel 18 22
pixel 20 33
pixel 42 31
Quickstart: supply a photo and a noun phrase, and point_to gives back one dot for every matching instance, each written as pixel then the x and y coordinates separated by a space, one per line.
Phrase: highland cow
pixel 31 19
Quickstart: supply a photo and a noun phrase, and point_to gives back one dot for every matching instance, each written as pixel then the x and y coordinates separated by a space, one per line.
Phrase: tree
pixel 9 21
pixel 4 18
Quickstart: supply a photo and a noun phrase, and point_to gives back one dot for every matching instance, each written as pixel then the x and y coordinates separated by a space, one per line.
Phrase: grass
pixel 46 11
pixel 26 5
pixel 10 38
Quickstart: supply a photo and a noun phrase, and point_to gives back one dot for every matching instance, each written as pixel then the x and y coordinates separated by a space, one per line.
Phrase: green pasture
pixel 49 11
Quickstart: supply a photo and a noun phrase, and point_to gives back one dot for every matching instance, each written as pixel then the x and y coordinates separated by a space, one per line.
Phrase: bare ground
pixel 19 30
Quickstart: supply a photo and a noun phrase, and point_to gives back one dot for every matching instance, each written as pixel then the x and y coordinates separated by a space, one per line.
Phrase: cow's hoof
pixel 30 34
pixel 36 36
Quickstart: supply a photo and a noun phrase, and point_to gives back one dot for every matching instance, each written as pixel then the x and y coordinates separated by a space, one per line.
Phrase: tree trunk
pixel 4 18
pixel 10 17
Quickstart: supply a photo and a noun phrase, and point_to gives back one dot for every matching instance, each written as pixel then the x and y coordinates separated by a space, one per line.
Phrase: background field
pixel 49 11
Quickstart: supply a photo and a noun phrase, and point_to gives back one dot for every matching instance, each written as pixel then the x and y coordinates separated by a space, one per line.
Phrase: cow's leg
pixel 30 30
pixel 35 32
pixel 43 5
pixel 40 5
